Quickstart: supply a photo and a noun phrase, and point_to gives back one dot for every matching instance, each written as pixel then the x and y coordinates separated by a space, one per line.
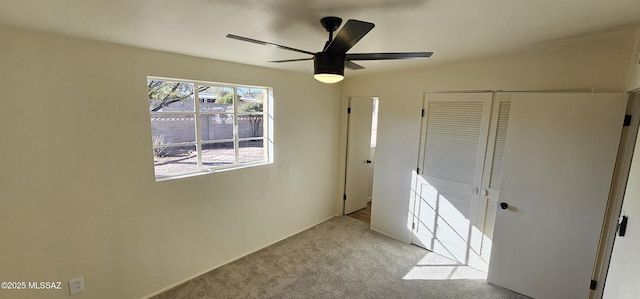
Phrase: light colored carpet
pixel 340 258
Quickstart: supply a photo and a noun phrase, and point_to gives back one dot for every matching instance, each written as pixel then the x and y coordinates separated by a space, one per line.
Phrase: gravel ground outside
pixel 187 161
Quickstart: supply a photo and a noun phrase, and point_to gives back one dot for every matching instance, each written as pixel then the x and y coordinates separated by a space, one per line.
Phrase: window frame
pixel 197 114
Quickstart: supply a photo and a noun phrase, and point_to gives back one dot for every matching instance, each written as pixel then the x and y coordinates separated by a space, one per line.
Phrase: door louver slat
pixel 452 140
pixel 501 139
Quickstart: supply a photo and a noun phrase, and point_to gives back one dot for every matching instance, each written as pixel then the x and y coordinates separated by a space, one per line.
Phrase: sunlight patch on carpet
pixel 436 267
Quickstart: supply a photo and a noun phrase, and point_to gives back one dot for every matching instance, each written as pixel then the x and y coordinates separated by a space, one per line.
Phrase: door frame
pixel 616 196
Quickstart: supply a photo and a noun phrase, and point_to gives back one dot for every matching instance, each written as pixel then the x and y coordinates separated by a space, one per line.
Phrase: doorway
pixel 362 123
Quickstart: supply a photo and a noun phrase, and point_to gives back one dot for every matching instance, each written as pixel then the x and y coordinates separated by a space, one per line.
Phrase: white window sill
pixel 210 171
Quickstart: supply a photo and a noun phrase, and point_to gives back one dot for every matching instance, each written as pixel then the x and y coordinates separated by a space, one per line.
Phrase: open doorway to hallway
pixel 362 126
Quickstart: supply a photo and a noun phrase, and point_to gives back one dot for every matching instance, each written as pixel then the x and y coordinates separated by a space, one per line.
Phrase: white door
pixel 359 165
pixel 491 178
pixel 559 160
pixel 446 197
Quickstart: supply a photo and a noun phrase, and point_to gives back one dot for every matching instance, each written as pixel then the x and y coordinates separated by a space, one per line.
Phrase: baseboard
pixel 232 260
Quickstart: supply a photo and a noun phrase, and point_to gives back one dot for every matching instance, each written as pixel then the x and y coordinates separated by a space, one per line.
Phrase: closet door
pixel 491 179
pixel 447 190
pixel 560 155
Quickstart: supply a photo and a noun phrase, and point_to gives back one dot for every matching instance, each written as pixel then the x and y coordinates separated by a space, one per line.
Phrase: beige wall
pixel 599 64
pixel 633 81
pixel 77 187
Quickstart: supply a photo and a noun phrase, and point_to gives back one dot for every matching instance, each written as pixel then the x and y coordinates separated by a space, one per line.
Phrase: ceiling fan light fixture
pixel 328 78
pixel 328 67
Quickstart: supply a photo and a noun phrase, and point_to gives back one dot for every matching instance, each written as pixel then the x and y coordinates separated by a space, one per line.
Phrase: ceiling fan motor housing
pixel 331 24
pixel 329 63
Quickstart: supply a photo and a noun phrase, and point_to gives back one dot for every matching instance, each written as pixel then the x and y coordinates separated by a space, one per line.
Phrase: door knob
pixel 368 161
pixel 504 205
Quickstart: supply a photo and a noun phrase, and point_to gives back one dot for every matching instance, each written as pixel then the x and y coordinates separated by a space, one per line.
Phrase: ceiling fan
pixel 329 64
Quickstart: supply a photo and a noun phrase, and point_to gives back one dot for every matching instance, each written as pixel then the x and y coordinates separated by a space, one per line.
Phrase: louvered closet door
pixel 454 135
pixel 490 191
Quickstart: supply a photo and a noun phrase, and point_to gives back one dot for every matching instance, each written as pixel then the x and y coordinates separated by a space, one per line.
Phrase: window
pixel 227 127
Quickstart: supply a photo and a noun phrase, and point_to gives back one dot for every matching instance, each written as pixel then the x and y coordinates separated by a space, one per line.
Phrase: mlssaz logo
pixel 45 285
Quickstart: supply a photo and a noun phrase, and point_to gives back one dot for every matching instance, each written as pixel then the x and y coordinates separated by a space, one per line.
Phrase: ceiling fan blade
pixel 348 36
pixel 352 65
pixel 291 60
pixel 386 56
pixel 259 42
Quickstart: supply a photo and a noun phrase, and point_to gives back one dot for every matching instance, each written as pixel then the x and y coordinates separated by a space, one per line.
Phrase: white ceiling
pixel 453 29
